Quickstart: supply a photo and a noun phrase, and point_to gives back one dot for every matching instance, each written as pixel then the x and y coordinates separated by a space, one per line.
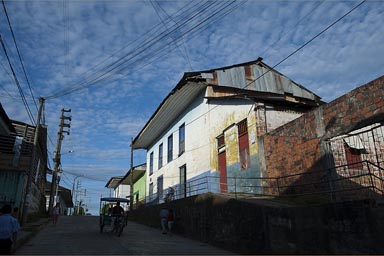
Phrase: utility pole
pixel 57 157
pixel 32 164
pixel 131 190
pixel 77 191
pixel 73 193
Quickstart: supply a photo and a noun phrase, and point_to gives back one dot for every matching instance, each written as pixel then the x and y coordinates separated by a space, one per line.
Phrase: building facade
pixel 204 135
pixel 16 163
pixel 136 177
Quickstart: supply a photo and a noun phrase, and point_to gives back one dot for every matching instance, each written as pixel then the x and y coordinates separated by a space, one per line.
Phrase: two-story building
pixel 16 145
pixel 136 179
pixel 204 135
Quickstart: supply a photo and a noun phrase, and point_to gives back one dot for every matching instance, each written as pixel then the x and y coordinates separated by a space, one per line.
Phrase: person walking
pixel 164 219
pixel 9 226
pixel 170 220
pixel 56 213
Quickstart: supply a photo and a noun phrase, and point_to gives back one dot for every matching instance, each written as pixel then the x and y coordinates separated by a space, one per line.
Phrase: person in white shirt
pixel 9 226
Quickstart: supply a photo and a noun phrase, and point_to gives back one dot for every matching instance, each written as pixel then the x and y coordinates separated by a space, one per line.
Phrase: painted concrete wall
pixel 122 191
pixel 196 122
pixel 278 117
pixel 260 227
pixel 204 121
pixel 140 189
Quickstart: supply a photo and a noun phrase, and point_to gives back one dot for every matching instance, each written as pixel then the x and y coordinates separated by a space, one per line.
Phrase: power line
pixel 147 44
pixel 145 37
pixel 308 42
pixel 270 69
pixel 86 177
pixel 117 66
pixel 17 83
pixel 18 53
pixel 183 43
pixel 302 19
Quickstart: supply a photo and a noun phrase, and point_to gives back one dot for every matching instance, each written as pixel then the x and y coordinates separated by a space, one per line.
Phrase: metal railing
pixel 344 182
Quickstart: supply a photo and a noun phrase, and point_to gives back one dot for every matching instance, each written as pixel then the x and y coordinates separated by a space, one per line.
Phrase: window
pixel 243 144
pixel 181 139
pixel 220 141
pixel 353 156
pixel 183 181
pixel 160 187
pixel 151 163
pixel 150 191
pixel 160 156
pixel 170 148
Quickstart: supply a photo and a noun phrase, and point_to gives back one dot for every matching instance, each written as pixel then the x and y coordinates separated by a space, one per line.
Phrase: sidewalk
pixel 29 230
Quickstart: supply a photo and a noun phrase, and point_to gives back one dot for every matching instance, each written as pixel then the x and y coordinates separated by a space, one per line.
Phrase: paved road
pixel 81 235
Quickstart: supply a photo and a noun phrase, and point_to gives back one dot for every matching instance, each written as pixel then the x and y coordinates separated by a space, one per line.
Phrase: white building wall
pixel 277 118
pixel 122 191
pixel 203 123
pixel 196 139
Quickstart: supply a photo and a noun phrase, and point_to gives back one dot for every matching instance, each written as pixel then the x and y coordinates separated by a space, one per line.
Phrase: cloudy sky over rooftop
pixel 113 62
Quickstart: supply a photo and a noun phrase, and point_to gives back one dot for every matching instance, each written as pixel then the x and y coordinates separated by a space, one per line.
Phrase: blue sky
pixel 61 42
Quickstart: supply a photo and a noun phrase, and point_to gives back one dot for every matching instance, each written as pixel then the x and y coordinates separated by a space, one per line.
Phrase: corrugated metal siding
pixel 271 81
pixel 11 187
pixel 232 77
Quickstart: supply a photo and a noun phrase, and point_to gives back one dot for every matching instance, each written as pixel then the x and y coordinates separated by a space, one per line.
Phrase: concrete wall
pixel 247 227
pixel 196 136
pixel 122 191
pixel 139 188
pixel 204 121
pixel 301 145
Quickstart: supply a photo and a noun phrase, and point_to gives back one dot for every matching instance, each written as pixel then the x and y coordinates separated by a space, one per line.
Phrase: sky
pixel 113 62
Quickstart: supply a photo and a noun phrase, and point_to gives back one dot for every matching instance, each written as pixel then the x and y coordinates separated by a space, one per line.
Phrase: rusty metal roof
pixel 263 79
pixel 251 76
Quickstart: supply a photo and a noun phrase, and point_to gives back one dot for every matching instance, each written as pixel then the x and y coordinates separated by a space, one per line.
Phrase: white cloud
pixel 106 115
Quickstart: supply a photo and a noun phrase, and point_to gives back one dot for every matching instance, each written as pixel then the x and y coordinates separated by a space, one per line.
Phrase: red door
pixel 223 172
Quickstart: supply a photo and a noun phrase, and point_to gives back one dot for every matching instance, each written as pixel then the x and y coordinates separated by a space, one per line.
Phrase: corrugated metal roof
pixel 170 109
pixel 265 81
pixel 184 93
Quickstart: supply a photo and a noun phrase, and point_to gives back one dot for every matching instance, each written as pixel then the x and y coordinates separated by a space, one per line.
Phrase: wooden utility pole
pixel 57 158
pixel 131 190
pixel 27 196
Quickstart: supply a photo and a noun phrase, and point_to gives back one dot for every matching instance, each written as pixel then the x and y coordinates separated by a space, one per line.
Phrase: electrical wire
pixel 298 23
pixel 305 44
pixel 86 177
pixel 19 54
pixel 130 55
pixel 185 53
pixel 17 83
pixel 145 37
pixel 301 47
pixel 118 67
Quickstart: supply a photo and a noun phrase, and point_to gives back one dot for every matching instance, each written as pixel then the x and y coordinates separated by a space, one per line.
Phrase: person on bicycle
pixel 117 210
pixel 117 213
